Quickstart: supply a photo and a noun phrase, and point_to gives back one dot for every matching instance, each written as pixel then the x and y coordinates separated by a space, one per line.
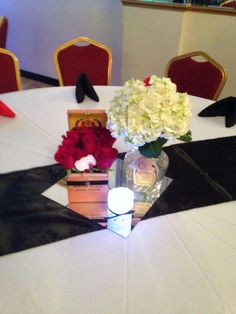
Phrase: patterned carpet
pixel 28 83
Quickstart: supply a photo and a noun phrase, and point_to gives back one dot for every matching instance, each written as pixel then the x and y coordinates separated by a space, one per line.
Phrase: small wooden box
pixel 87 194
pixel 78 117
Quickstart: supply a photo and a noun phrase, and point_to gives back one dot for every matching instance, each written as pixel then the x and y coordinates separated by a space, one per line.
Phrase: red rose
pixel 146 81
pixel 105 157
pixel 106 137
pixel 73 134
pixel 83 141
pixel 90 141
pixel 78 153
pixel 64 156
pixel 67 141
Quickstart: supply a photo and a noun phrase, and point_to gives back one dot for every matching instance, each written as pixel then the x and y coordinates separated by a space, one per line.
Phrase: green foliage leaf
pixel 186 137
pixel 153 149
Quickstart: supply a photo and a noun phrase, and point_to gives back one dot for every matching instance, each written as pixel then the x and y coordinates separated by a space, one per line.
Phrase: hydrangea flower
pixel 148 113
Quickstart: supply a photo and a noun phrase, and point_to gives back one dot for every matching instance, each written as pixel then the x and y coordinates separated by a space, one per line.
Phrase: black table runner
pixel 203 173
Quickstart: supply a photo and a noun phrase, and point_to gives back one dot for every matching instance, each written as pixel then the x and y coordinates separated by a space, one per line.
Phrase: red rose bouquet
pixel 87 149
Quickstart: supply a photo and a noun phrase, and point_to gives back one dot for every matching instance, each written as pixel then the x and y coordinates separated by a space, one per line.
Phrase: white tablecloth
pixel 182 263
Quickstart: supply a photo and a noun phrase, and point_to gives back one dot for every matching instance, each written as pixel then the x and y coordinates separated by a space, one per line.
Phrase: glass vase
pixel 144 176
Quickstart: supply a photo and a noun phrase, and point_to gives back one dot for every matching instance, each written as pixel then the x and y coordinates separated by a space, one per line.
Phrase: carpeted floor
pixel 28 83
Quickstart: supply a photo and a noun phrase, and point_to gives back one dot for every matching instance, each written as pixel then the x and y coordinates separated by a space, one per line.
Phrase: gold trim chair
pixel 228 4
pixel 3 31
pixel 10 79
pixel 198 74
pixel 83 55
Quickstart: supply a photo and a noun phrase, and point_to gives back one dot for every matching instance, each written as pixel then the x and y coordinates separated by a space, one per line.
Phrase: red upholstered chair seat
pixel 204 78
pixel 93 59
pixel 9 72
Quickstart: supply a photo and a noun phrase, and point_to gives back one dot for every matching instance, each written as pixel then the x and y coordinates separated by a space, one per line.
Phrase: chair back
pixel 10 79
pixel 203 77
pixel 228 4
pixel 3 31
pixel 83 55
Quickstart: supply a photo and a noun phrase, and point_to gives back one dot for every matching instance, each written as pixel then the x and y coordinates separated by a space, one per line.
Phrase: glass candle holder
pixel 120 208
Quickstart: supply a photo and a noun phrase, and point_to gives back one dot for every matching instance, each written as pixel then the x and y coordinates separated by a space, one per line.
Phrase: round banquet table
pixel 183 263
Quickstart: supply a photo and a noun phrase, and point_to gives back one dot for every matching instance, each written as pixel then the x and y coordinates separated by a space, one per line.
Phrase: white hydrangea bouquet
pixel 149 113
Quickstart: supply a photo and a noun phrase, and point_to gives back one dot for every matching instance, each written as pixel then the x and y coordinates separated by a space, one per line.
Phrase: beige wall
pixel 151 36
pixel 214 34
pixel 36 28
pixel 149 40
